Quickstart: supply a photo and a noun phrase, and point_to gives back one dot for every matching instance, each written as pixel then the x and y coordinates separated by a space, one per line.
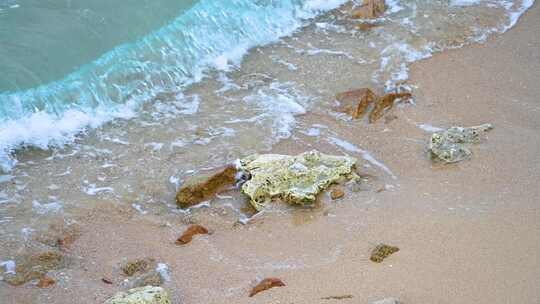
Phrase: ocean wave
pixel 211 34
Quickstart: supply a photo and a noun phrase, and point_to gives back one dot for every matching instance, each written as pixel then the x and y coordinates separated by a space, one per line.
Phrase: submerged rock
pixel 140 272
pixel 265 285
pixel 356 103
pixel 294 179
pixel 141 295
pixel 45 282
pixel 192 230
pixel 337 193
pixel 370 9
pixel 151 278
pixel 451 145
pixel 201 188
pixel 384 102
pixel 366 26
pixel 130 268
pixel 381 252
pixel 34 266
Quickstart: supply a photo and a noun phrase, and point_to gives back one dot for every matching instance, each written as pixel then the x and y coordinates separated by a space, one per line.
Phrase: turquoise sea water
pixel 43 41
pixel 69 65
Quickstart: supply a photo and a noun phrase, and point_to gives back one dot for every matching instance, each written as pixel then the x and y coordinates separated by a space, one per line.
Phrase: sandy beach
pixel 468 232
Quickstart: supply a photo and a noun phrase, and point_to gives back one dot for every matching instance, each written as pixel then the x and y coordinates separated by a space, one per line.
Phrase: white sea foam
pixel 279 103
pixel 164 272
pixel 46 208
pixel 91 189
pixel 139 208
pixel 323 5
pixel 429 128
pixel 464 2
pixel 349 147
pixel 9 266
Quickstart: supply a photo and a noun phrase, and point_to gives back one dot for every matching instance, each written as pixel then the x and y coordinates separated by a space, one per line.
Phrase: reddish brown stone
pixel 106 281
pixel 384 102
pixel 45 282
pixel 203 187
pixel 187 236
pixel 355 102
pixel 365 26
pixel 370 9
pixel 337 193
pixel 266 284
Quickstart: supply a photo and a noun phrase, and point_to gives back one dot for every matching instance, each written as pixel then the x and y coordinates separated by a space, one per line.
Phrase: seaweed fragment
pixel 381 252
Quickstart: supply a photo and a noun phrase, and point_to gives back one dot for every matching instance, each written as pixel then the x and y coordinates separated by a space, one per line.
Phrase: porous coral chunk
pixel 294 179
pixel 451 145
pixel 141 295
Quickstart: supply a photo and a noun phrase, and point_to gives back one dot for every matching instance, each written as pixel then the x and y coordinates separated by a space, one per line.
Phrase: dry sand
pixel 468 232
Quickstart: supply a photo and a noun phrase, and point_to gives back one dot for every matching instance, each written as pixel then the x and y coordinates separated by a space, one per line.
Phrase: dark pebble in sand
pixel 34 266
pixel 265 285
pixel 137 266
pixel 192 230
pixel 381 252
pixel 337 193
pixel 45 282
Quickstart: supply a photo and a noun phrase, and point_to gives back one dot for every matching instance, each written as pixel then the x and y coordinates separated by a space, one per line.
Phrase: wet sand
pixel 468 232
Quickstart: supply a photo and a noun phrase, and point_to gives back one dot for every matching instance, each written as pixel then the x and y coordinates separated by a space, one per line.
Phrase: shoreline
pixel 468 232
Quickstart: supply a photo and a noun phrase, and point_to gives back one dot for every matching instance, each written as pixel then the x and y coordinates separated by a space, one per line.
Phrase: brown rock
pixel 382 251
pixel 45 282
pixel 337 193
pixel 266 284
pixel 59 235
pixel 370 9
pixel 34 266
pixel 106 281
pixel 137 266
pixel 355 102
pixel 203 187
pixel 365 26
pixel 384 102
pixel 187 236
